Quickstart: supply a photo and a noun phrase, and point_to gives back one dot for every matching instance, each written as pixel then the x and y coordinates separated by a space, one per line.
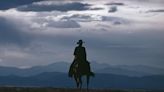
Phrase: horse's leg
pixel 80 81
pixel 88 78
pixel 77 81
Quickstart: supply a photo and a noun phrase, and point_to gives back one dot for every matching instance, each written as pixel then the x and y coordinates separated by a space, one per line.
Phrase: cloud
pixel 39 7
pixel 116 20
pixel 78 17
pixel 112 9
pixel 115 3
pixel 96 8
pixel 10 34
pixel 158 2
pixel 157 10
pixel 15 54
pixel 63 24
pixel 1 60
pixel 94 17
pixel 7 4
pixel 53 35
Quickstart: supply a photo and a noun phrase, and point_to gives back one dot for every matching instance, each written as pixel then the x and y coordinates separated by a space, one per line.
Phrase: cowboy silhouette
pixel 80 66
pixel 80 53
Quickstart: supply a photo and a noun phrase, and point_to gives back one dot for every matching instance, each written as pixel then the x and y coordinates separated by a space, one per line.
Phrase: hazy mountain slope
pixel 55 79
pixel 128 70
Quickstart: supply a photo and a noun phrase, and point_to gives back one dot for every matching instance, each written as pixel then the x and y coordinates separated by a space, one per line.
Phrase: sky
pixel 116 32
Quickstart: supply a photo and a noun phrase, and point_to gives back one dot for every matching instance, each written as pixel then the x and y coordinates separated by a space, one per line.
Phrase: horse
pixel 79 70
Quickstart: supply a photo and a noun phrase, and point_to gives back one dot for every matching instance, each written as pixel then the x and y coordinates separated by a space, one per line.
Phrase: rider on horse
pixel 80 60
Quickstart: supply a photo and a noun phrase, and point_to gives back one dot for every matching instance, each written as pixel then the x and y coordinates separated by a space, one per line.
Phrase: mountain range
pixel 107 76
pixel 63 67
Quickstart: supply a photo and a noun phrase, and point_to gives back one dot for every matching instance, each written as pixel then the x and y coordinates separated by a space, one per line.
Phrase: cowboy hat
pixel 80 42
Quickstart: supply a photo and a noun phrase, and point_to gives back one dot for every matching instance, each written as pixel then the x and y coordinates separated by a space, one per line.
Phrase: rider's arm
pixel 75 53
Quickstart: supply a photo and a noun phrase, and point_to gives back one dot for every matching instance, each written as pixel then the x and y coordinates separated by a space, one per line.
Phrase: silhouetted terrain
pixel 103 81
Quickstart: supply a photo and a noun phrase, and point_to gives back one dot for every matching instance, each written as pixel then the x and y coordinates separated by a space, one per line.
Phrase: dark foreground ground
pixel 37 89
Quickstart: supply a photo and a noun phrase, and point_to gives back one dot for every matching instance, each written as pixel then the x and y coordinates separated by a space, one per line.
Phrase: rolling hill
pixel 102 81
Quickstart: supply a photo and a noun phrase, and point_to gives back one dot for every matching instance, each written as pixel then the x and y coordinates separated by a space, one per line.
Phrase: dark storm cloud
pixel 115 3
pixel 9 34
pixel 58 7
pixel 113 9
pixel 96 8
pixel 7 4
